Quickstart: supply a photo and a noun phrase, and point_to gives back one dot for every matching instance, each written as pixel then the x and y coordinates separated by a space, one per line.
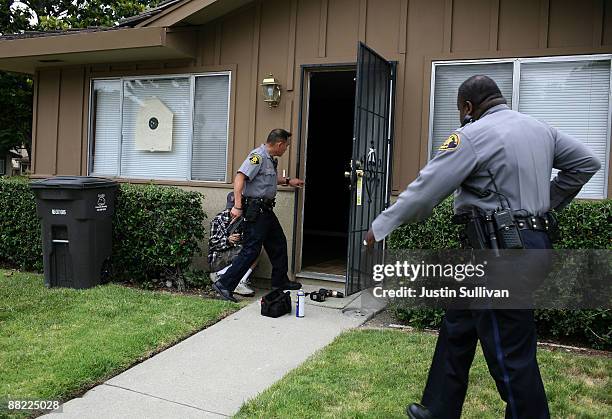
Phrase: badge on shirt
pixel 255 159
pixel 451 143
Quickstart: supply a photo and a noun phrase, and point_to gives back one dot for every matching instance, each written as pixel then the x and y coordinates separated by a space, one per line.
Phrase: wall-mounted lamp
pixel 271 90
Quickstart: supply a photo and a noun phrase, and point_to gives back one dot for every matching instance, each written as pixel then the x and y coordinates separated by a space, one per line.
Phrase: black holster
pixel 474 233
pixel 255 206
pixel 252 209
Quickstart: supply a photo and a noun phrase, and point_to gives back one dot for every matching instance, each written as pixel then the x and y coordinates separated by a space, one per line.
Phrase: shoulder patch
pixel 255 159
pixel 451 143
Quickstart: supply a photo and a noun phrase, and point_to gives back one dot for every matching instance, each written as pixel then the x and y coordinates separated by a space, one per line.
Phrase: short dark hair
pixel 478 89
pixel 277 135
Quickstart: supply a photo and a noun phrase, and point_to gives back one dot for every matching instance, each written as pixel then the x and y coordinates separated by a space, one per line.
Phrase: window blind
pixel 210 128
pixel 106 120
pixel 448 78
pixel 174 93
pixel 572 96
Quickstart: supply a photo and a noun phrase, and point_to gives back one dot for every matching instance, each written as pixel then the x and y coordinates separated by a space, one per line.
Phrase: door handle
pixel 358 172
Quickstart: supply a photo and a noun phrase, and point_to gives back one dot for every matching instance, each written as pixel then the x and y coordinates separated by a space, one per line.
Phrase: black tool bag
pixel 276 303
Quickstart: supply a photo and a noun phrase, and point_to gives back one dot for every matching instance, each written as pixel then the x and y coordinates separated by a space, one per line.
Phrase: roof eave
pixel 121 45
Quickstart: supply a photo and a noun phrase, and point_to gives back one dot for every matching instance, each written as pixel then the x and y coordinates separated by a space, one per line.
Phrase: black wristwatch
pixel 287 179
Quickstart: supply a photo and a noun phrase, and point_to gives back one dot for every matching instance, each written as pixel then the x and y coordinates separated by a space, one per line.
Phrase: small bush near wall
pixel 583 225
pixel 20 244
pixel 156 231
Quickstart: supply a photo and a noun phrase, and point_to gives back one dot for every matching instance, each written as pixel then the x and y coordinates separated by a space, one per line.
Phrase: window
pixel 167 127
pixel 569 93
pixel 2 166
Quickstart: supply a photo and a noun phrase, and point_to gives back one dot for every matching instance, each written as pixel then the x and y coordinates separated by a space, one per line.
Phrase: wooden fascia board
pixel 176 13
pixel 84 42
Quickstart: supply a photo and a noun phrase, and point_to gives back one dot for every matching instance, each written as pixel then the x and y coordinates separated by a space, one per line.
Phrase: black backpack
pixel 276 303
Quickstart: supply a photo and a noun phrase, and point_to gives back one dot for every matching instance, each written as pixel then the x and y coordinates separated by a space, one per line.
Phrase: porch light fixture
pixel 271 90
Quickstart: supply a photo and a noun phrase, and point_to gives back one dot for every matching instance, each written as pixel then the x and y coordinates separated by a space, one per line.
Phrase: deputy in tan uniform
pixel 496 149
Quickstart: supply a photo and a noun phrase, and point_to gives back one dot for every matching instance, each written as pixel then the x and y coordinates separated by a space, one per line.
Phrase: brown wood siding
pixel 276 36
pixel 70 121
pixel 47 122
pixel 470 25
pixel 572 23
pixel 607 23
pixel 519 25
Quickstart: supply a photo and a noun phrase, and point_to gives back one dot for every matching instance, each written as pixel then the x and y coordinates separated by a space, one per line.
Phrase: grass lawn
pixel 376 373
pixel 56 342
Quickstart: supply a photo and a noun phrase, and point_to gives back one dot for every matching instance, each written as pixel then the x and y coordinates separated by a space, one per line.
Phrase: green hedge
pixel 583 225
pixel 20 244
pixel 156 231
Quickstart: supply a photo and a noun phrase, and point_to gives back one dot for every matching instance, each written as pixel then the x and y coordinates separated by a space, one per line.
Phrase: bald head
pixel 477 94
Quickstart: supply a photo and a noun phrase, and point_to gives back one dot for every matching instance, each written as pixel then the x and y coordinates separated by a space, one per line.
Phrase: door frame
pixel 298 217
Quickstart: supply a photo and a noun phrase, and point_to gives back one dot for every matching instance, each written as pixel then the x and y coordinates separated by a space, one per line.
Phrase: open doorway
pixel 327 197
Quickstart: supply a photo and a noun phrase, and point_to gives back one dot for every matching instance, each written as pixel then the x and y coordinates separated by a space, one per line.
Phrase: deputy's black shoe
pixel 418 411
pixel 289 285
pixel 223 292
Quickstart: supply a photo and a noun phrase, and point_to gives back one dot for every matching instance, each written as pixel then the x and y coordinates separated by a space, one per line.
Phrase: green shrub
pixel 583 225
pixel 20 241
pixel 156 231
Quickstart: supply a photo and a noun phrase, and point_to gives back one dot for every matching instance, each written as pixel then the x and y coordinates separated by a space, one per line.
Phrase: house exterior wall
pixel 280 36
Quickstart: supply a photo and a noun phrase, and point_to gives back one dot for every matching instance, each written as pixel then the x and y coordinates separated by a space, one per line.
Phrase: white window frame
pixel 192 77
pixel 516 77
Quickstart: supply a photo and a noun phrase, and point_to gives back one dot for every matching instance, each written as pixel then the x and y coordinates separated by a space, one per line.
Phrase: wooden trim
pixel 519 53
pixel 598 23
pixel 400 120
pixel 323 29
pixel 424 149
pixel 84 42
pixel 176 13
pixel 363 19
pixel 34 123
pixel 57 118
pixel 288 121
pixel 289 114
pixel 231 128
pixel 254 74
pixel 544 23
pixel 448 26
pixel 494 26
pixel 84 122
pixel 164 71
pixel 218 36
pixel 291 45
pixel 403 26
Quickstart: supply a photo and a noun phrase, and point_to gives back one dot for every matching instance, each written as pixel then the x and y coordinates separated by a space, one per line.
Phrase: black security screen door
pixel 371 159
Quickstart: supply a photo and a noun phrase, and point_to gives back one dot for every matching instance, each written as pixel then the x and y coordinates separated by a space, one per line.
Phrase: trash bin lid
pixel 73 182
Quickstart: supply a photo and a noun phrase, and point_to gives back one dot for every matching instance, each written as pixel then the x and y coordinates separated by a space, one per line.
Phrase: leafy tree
pixel 43 15
pixel 16 115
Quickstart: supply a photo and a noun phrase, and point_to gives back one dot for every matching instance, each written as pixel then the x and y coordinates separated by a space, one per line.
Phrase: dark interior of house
pixel 328 152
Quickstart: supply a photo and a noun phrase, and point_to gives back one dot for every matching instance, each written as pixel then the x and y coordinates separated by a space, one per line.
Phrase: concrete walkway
pixel 212 373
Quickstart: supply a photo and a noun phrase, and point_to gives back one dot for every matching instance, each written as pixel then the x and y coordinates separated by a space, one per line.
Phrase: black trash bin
pixel 76 217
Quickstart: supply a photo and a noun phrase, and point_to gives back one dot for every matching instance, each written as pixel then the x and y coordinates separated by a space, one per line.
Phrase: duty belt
pixel 533 222
pixel 264 202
